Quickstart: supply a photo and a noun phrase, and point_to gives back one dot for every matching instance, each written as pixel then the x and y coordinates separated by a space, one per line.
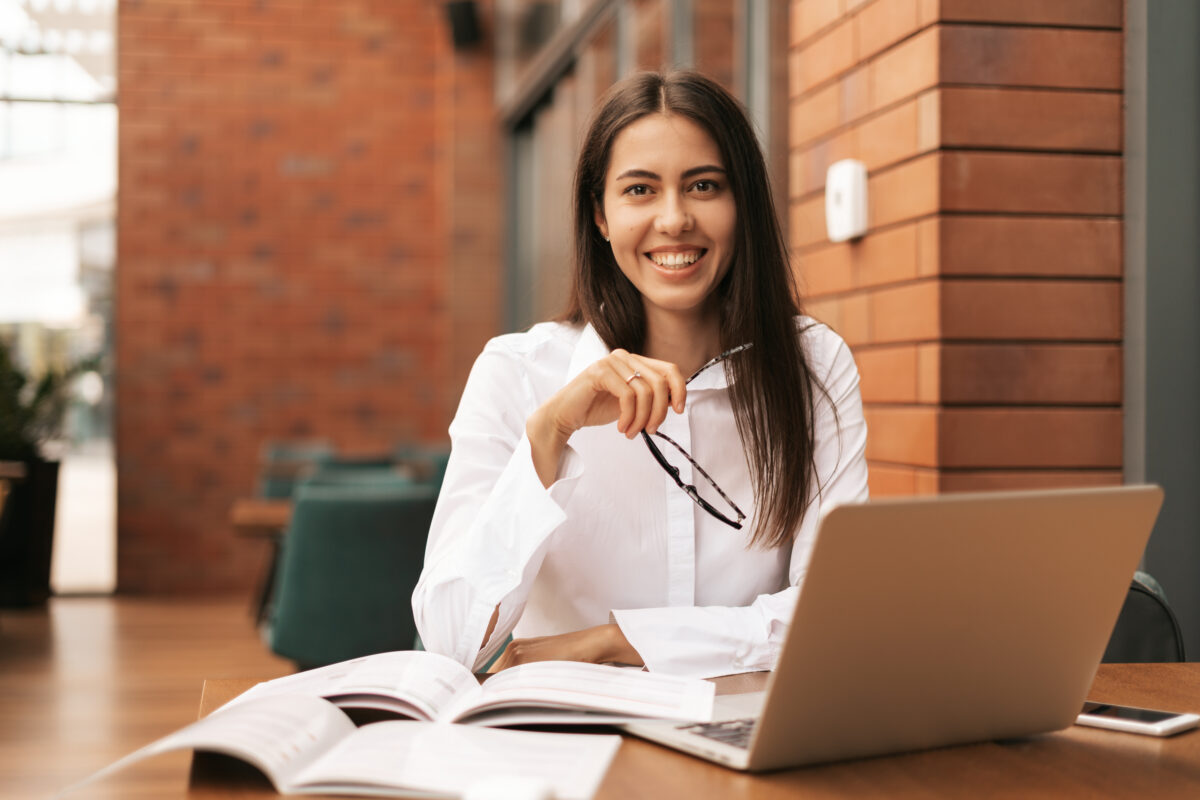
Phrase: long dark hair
pixel 771 384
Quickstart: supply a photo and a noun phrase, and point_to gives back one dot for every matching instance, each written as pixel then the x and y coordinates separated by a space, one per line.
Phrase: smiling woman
pixel 670 218
pixel 553 523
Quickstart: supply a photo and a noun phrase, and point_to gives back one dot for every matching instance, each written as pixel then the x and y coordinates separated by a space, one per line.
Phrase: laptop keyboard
pixel 734 732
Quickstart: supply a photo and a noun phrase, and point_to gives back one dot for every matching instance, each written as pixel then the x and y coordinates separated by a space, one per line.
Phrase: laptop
pixel 926 622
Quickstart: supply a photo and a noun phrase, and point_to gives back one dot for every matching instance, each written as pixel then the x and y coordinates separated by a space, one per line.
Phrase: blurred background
pixel 244 224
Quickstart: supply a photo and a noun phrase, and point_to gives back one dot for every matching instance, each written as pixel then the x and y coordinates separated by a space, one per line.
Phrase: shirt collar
pixel 590 348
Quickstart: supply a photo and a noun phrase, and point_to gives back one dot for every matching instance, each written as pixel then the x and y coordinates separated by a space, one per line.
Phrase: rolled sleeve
pixel 491 563
pixel 704 642
pixel 493 518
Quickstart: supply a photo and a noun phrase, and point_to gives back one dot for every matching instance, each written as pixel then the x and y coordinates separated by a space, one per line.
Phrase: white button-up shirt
pixel 613 538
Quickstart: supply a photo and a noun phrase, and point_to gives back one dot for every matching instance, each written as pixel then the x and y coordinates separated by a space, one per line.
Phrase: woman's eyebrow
pixel 639 173
pixel 694 171
pixel 654 176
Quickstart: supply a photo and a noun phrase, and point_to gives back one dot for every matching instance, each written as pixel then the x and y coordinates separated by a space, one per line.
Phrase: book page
pixel 280 735
pixel 414 683
pixel 439 758
pixel 620 692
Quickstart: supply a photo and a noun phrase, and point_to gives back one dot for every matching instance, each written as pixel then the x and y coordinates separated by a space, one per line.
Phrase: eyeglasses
pixel 673 470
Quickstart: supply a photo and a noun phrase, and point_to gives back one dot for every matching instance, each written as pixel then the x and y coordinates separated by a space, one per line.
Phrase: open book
pixel 306 745
pixel 427 686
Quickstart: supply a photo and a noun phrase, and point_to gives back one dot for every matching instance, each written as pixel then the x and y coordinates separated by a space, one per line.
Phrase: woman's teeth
pixel 674 259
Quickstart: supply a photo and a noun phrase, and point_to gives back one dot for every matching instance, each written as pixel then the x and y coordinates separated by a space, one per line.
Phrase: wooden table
pixel 260 517
pixel 12 470
pixel 1075 762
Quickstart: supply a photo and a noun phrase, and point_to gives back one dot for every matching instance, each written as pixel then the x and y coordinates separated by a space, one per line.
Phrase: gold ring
pixel 631 377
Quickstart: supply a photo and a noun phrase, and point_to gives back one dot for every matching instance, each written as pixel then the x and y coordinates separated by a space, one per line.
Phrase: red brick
pixel 1030 57
pixel 888 374
pixel 929 373
pixel 908 313
pixel 1024 119
pixel 812 16
pixel 888 480
pixel 879 141
pixel 1031 374
pixel 902 435
pixel 1028 246
pixel 713 47
pixel 1082 13
pixel 1031 183
pixel 1036 310
pixel 906 70
pixel 816 114
pixel 806 222
pixel 1014 480
pixel 826 56
pixel 854 94
pixel 883 23
pixel 905 313
pixel 887 257
pixel 1030 437
pixel 649 34
pixel 906 192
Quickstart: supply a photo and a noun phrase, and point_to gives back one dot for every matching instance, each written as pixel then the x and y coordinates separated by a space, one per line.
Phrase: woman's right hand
pixel 601 394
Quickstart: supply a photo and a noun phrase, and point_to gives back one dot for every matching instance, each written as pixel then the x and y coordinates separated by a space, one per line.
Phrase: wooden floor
pixel 90 679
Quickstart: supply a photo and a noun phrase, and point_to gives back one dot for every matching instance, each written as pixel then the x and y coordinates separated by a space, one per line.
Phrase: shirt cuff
pixel 698 642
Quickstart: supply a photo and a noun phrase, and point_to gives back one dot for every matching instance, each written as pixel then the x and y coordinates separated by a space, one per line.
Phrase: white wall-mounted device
pixel 846 200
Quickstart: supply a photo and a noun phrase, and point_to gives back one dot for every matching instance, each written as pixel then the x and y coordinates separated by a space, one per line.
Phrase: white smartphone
pixel 1136 720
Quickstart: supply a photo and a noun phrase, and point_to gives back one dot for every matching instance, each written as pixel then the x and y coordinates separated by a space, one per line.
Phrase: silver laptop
pixel 926 622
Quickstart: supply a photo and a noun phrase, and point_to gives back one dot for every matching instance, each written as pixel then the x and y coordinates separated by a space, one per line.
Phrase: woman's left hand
pixel 598 645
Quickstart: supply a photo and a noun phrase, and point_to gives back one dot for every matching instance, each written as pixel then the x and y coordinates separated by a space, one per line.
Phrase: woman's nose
pixel 673 217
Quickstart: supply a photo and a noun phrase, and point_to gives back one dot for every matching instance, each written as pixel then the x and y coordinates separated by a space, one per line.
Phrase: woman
pixel 571 532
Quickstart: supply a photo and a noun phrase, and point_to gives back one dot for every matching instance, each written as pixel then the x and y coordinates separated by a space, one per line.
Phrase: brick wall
pixel 715 28
pixel 984 304
pixel 309 246
pixel 650 25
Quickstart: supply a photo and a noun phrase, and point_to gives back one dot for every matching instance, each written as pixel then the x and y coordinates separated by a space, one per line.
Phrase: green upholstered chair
pixel 284 464
pixel 341 475
pixel 326 472
pixel 1146 630
pixel 427 463
pixel 344 462
pixel 348 567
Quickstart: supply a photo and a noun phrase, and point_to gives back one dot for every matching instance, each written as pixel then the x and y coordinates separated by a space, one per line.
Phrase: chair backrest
pixel 284 464
pixel 1146 630
pixel 426 462
pixel 349 563
pixel 342 475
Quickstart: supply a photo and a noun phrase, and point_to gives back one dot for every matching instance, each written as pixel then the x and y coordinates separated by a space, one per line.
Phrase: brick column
pixel 308 244
pixel 984 304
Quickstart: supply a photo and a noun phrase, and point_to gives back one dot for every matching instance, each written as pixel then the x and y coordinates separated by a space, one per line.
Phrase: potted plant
pixel 31 413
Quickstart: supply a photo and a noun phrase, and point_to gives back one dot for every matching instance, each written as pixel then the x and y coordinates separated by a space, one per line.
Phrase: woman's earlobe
pixel 598 218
